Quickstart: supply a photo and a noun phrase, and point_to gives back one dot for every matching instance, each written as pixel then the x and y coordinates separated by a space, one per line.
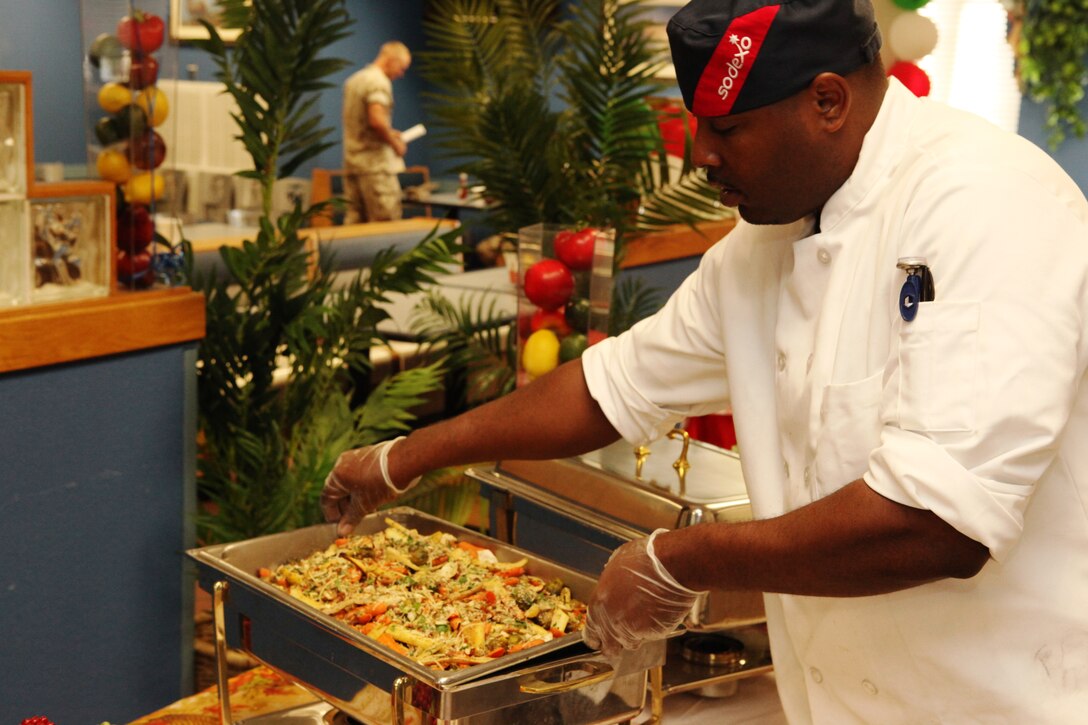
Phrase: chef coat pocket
pixel 939 368
pixel 849 431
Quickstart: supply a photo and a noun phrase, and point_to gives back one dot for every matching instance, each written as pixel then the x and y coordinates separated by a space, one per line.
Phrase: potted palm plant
pixel 284 349
pixel 546 104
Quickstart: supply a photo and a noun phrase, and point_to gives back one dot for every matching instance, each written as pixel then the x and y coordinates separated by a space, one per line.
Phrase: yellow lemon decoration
pixel 144 188
pixel 112 97
pixel 541 353
pixel 155 105
pixel 112 165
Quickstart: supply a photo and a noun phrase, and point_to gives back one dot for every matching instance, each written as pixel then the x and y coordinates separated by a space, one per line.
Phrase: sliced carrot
pixel 388 641
pixel 514 571
pixel 340 542
pixel 511 581
pixel 497 652
pixel 525 645
pixel 556 632
pixel 264 573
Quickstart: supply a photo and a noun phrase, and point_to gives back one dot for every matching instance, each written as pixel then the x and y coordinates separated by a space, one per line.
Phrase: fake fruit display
pixel 574 247
pixel 572 346
pixel 112 97
pixel 141 32
pixel 133 266
pixel 549 320
pixel 541 353
pixel 549 284
pixel 143 72
pixel 105 47
pixel 154 104
pixel 144 188
pixel 112 165
pixel 135 229
pixel 147 151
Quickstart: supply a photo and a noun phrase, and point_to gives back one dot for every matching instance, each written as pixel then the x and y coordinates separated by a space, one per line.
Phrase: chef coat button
pixel 808 363
pixel 786 468
pixel 781 361
pixel 817 676
pixel 869 687
pixel 808 476
pixel 824 256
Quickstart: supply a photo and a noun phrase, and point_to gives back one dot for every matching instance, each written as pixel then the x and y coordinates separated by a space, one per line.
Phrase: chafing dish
pixel 560 681
pixel 578 510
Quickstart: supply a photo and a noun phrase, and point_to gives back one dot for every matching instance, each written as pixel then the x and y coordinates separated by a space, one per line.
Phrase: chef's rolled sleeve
pixel 984 510
pixel 665 368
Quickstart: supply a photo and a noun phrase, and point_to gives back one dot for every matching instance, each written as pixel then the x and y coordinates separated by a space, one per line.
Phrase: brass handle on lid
pixel 641 454
pixel 681 464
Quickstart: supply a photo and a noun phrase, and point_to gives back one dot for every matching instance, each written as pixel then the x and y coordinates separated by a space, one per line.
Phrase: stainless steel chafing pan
pixel 355 673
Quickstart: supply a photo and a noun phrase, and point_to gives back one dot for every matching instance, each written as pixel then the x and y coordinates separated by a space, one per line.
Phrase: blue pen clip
pixel 917 289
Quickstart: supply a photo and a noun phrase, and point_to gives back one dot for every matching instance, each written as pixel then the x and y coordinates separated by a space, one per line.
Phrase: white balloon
pixel 912 36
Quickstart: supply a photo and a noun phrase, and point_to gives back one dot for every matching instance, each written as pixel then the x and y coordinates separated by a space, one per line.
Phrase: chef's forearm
pixel 552 417
pixel 851 543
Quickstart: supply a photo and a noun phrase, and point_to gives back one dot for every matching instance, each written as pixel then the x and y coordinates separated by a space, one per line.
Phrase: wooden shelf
pixel 679 242
pixel 40 335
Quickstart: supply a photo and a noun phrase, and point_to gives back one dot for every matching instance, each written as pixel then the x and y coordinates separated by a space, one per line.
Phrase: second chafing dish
pixel 560 681
pixel 577 510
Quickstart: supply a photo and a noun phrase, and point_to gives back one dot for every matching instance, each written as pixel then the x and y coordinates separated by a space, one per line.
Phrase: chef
pixel 899 327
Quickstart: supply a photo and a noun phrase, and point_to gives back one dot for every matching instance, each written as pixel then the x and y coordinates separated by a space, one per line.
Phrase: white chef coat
pixel 976 410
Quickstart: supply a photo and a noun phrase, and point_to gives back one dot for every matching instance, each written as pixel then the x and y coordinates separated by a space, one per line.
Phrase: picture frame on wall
pixel 185 17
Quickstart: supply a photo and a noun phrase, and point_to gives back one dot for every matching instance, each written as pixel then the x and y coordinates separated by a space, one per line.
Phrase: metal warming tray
pixel 577 510
pixel 559 681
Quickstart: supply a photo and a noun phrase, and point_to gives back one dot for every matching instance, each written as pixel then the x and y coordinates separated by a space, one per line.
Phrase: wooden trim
pixel 678 242
pixel 315 236
pixel 40 335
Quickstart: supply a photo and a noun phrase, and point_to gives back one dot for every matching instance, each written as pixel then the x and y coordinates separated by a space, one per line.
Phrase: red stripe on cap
pixel 728 69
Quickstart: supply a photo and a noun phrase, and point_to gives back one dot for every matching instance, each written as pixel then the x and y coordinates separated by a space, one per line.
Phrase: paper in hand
pixel 411 134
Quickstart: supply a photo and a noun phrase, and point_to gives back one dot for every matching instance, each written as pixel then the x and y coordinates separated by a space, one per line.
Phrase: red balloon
pixel 911 76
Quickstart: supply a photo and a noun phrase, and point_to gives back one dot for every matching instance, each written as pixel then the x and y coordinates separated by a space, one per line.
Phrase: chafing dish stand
pixel 576 511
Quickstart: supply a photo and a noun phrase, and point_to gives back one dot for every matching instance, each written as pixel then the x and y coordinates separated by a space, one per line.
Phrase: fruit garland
pixel 131 149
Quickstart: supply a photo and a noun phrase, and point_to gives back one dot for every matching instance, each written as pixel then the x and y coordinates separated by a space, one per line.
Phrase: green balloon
pixel 910 4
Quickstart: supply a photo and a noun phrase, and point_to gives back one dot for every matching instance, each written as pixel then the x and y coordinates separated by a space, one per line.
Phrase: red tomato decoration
pixel 141 32
pixel 549 284
pixel 914 78
pixel 135 229
pixel 574 248
pixel 553 320
pixel 595 336
pixel 143 72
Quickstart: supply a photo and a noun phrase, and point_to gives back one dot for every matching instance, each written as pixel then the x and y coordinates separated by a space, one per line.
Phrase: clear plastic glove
pixel 358 484
pixel 636 600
